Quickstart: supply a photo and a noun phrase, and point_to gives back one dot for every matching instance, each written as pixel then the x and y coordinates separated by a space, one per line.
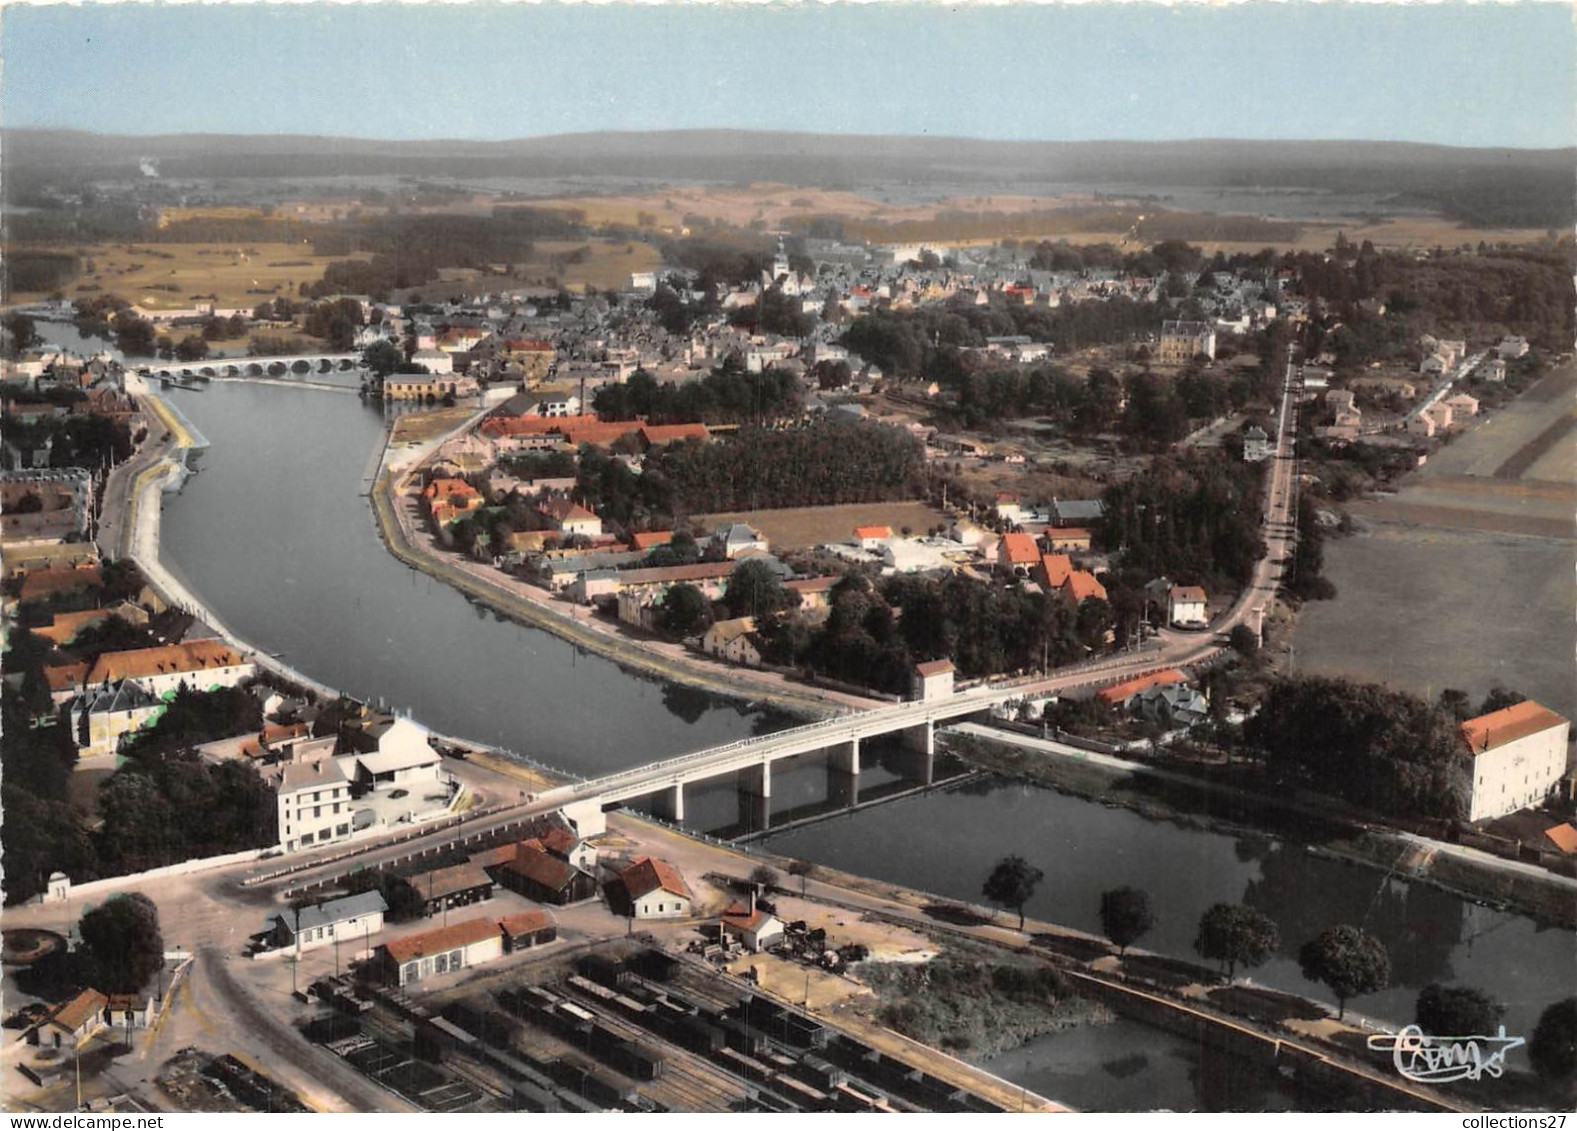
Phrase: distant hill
pixel 1519 187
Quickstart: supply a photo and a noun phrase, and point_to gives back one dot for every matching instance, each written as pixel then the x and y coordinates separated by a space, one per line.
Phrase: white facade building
pixel 1519 754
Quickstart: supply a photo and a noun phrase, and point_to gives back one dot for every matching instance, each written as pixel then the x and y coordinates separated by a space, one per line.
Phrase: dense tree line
pixel 727 395
pixel 1380 749
pixel 37 271
pixel 774 313
pixel 1188 517
pixel 822 464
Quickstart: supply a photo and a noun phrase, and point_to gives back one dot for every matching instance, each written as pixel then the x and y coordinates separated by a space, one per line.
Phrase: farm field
pixel 239 275
pixel 1460 579
pixel 575 265
pixel 797 527
pixel 772 205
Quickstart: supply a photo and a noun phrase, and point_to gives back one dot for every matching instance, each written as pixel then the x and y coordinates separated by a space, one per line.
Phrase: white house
pixel 437 362
pixel 656 890
pixel 754 928
pixel 350 919
pixel 1518 753
pixel 446 950
pixel 730 639
pixel 932 680
pixel 1256 445
pixel 1185 606
pixel 404 759
pixel 1511 348
pixel 314 802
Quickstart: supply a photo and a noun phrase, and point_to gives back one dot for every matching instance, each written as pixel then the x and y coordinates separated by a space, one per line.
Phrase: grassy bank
pixel 972 1002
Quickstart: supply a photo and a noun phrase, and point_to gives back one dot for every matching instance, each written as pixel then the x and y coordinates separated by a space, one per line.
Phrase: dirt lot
pixel 797 527
pixel 418 427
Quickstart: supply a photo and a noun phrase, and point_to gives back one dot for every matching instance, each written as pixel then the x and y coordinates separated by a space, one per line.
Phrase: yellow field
pixel 168 216
pixel 234 273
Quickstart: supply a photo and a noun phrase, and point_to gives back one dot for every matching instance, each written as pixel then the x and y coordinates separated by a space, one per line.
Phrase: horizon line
pixel 938 137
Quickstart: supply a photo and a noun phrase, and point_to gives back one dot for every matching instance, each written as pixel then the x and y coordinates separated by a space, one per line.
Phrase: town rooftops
pixel 934 667
pixel 1507 725
pixel 335 911
pixel 648 874
pixel 63 677
pixel 725 631
pixel 170 659
pixel 466 933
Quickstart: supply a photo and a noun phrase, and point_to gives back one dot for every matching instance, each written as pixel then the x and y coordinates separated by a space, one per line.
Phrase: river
pixel 273 534
pixel 945 842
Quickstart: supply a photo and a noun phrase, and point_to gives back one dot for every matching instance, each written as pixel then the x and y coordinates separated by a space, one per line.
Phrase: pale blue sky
pixel 1485 74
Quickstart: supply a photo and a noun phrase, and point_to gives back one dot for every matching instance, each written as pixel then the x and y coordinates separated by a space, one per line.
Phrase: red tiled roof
pixel 1120 692
pixel 60 677
pixel 1564 836
pixel 934 667
pixel 811 584
pixel 1081 585
pixel 1057 568
pixel 646 539
pixel 1187 593
pixel 79 1010
pixel 528 345
pixel 742 919
pixel 1498 728
pixel 59 579
pixel 466 933
pixel 1069 534
pixel 191 656
pixel 541 867
pixel 1020 549
pixel 657 575
pixel 449 881
pixel 525 922
pixel 649 874
pixel 873 532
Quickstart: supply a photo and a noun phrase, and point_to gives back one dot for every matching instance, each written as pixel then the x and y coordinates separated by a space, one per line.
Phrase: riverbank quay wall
pixel 407 549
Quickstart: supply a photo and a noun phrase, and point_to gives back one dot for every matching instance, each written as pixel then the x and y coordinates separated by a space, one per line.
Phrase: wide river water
pixel 274 535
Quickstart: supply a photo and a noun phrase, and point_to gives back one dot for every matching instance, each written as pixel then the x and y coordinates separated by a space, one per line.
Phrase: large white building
pixel 314 801
pixel 1519 754
pixel 202 665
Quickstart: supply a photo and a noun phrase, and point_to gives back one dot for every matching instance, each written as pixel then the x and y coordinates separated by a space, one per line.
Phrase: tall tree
pixel 122 938
pixel 1456 1011
pixel 1126 915
pixel 1553 1046
pixel 1349 961
pixel 1011 884
pixel 1232 934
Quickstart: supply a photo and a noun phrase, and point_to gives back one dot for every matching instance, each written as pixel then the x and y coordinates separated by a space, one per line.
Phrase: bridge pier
pixel 847 757
pixel 755 797
pixel 669 804
pixel 921 740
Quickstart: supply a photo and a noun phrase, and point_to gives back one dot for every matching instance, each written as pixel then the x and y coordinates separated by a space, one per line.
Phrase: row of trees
pixel 1347 960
